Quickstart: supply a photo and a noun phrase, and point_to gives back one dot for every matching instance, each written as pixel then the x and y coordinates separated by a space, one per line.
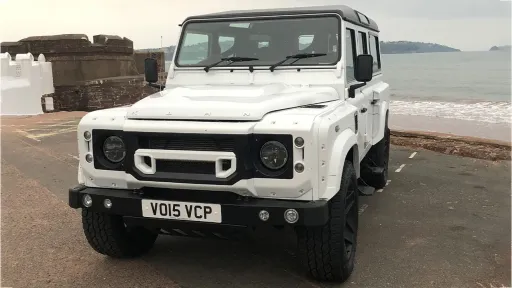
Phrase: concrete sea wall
pixel 24 83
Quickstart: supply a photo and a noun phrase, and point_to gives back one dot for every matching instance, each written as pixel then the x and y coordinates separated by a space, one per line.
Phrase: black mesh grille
pixel 192 167
pixel 194 143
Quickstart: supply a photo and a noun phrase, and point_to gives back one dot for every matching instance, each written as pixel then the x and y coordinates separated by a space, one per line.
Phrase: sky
pixel 469 25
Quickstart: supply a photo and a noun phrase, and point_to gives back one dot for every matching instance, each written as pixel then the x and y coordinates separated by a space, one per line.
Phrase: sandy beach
pixel 486 130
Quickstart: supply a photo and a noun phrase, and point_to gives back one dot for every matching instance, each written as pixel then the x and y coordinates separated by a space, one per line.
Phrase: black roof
pixel 347 13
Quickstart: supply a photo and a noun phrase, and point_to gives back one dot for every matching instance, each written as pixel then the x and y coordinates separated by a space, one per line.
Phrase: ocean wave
pixel 490 112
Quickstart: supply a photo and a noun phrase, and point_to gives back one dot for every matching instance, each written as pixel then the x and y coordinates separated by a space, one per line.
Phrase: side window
pixel 332 45
pixel 225 43
pixel 305 41
pixel 262 44
pixel 194 49
pixel 349 54
pixel 258 43
pixel 374 51
pixel 363 43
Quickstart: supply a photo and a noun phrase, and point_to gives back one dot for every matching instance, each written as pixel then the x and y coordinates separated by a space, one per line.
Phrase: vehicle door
pixel 362 96
pixel 366 107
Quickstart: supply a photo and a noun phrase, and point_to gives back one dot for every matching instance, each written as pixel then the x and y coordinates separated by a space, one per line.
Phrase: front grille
pixel 188 142
pixel 180 166
pixel 244 146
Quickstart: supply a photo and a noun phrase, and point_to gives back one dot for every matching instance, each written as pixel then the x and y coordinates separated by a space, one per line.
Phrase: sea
pixel 462 93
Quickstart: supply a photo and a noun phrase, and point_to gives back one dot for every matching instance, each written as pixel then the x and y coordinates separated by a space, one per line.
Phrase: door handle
pixel 363 110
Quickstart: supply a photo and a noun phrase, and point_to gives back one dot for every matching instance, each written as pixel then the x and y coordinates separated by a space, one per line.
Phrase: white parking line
pixel 379 191
pixel 400 168
pixel 56 132
pixel 66 123
pixel 412 155
pixel 362 208
pixel 387 182
pixel 75 157
pixel 27 135
pixel 37 136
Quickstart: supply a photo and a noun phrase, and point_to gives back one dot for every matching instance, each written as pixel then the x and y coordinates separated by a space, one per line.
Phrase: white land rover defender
pixel 267 118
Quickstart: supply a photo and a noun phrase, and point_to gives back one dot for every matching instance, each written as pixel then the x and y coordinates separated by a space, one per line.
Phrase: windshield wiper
pixel 232 59
pixel 298 57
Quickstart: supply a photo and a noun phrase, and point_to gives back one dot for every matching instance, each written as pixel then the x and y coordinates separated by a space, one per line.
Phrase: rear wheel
pixel 328 251
pixel 108 235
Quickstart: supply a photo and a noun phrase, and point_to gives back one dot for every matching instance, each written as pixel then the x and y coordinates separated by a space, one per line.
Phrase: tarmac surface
pixel 442 221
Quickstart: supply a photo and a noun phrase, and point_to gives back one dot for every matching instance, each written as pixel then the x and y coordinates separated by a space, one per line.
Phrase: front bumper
pixel 243 212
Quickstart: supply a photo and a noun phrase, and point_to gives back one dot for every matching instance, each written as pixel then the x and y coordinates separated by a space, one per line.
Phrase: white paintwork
pixel 227 102
pixel 258 102
pixel 23 83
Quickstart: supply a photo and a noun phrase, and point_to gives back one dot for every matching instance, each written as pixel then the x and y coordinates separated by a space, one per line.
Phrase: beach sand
pixel 492 131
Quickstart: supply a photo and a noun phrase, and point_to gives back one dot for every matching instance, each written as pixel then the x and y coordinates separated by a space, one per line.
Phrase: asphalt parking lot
pixel 442 221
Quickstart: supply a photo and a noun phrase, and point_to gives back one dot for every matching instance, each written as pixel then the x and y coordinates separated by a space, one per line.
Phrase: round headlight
pixel 273 155
pixel 114 149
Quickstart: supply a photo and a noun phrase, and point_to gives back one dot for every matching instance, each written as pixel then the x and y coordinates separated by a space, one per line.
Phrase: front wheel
pixel 328 251
pixel 107 234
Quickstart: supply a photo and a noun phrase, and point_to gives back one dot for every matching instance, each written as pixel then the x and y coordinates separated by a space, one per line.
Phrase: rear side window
pixel 374 51
pixel 225 43
pixel 363 43
pixel 350 53
pixel 305 41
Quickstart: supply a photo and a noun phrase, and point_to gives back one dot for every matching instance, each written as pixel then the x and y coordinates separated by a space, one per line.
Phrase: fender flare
pixel 341 147
pixel 383 114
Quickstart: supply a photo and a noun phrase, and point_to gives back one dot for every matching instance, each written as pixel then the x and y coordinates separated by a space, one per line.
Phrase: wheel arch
pixel 344 148
pixel 381 122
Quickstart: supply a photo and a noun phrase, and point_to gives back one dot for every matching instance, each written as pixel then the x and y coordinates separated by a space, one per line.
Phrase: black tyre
pixel 378 156
pixel 108 235
pixel 328 251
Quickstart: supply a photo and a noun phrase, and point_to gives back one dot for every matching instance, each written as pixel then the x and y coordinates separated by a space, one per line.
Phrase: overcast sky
pixel 464 24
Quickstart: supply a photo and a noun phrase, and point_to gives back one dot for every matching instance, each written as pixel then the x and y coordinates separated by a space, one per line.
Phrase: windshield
pixel 269 41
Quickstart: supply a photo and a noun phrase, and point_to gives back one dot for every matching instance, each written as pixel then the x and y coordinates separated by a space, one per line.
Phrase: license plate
pixel 200 212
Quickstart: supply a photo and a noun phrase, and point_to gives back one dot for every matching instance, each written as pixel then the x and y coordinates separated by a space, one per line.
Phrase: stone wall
pixel 13 48
pixel 70 69
pixel 78 44
pixel 102 93
pixel 75 59
pixel 90 75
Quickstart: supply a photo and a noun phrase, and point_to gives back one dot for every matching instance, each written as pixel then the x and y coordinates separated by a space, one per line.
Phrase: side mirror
pixel 363 68
pixel 151 70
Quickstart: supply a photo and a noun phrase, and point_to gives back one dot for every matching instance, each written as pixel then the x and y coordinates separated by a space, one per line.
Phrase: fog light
pixel 264 215
pixel 299 142
pixel 291 216
pixel 88 158
pixel 87 135
pixel 107 203
pixel 299 167
pixel 87 200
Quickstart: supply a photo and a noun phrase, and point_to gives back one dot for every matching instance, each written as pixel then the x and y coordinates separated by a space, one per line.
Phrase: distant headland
pixel 507 48
pixel 404 47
